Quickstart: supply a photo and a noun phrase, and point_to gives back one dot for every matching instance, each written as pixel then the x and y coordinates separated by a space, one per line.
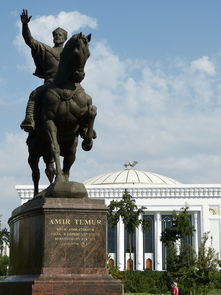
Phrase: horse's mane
pixel 73 57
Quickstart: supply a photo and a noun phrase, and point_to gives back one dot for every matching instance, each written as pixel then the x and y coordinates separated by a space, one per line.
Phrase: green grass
pixel 212 292
pixel 148 294
pixel 215 292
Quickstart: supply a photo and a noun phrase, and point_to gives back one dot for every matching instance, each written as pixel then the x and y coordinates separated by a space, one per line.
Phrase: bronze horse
pixel 64 111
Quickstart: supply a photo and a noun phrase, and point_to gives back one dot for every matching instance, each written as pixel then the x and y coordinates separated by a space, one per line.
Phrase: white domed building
pixel 160 195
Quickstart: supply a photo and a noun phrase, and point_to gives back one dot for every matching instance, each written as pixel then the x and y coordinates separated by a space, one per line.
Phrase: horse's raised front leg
pixel 51 131
pixel 87 143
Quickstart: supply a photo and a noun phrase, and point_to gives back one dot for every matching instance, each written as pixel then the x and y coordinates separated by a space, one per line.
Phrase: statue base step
pixel 61 285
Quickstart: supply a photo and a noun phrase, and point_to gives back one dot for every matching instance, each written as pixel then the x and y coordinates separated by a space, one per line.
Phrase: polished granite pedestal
pixel 58 247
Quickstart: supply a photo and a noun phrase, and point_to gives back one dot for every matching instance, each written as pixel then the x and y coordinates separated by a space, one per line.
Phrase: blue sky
pixel 154 74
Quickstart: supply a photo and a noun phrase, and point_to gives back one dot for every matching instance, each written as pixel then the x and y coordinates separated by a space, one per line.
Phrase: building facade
pixel 160 195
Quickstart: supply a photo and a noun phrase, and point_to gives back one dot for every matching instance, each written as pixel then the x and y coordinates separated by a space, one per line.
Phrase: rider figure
pixel 46 60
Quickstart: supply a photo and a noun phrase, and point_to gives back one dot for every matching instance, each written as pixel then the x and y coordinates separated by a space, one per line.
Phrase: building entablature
pixel 186 191
pixel 153 191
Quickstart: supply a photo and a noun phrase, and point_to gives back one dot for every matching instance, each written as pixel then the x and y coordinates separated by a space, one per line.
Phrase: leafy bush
pixel 217 280
pixel 4 262
pixel 115 273
pixel 141 281
pixel 135 282
pixel 156 282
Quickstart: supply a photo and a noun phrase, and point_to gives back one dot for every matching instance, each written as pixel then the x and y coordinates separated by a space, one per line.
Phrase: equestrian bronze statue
pixel 63 112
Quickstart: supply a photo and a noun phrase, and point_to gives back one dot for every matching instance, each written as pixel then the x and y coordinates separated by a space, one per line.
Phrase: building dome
pixel 131 176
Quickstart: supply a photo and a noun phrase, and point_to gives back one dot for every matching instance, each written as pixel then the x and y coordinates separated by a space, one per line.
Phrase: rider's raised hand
pixel 25 19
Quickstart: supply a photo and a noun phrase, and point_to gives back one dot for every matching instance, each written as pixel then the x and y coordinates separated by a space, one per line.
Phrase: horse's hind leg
pixel 33 162
pixel 51 131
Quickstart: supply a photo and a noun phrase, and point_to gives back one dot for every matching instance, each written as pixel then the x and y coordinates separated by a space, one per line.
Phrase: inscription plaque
pixel 75 240
pixel 75 232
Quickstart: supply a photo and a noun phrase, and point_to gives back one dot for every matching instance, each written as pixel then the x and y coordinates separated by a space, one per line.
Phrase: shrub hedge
pixel 153 282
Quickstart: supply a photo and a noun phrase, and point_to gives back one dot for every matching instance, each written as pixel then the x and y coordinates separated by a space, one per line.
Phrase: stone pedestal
pixel 58 247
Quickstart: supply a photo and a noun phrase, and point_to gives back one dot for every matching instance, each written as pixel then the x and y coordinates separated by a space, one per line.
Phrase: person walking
pixel 174 290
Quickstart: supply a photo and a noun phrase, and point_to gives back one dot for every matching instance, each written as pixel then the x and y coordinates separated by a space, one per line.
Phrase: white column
pixel 139 248
pixel 205 226
pixel 196 234
pixel 158 243
pixel 120 245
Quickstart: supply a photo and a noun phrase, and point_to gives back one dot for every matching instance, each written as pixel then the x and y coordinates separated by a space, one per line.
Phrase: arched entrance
pixel 149 264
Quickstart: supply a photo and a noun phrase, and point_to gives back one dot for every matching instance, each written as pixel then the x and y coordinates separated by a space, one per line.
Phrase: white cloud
pixel 43 26
pixel 13 154
pixel 156 116
pixel 41 29
pixel 204 65
pixel 13 170
pixel 9 198
pixel 110 70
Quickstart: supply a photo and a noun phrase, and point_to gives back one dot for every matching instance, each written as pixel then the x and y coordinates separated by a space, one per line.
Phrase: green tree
pixel 196 273
pixel 4 263
pixel 176 239
pixel 127 209
pixel 180 229
pixel 181 256
pixel 4 239
pixel 4 260
pixel 206 265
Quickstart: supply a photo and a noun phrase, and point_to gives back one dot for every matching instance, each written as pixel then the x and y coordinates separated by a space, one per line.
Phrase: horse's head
pixel 73 59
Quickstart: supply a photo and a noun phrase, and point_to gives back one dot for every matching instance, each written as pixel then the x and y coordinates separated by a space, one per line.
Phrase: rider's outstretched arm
pixel 26 33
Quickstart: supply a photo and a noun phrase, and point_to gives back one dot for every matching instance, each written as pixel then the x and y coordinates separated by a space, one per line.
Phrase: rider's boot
pixel 28 124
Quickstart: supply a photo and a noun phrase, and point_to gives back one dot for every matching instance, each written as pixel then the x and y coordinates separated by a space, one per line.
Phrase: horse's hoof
pixel 87 145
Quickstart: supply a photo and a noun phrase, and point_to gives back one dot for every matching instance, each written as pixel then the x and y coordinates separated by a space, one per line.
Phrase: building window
pixel 166 222
pixel 112 239
pixel 149 235
pixel 127 249
pixel 148 242
pixel 127 242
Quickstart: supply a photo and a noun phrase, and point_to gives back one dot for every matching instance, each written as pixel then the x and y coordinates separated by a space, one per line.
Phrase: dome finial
pixel 130 165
